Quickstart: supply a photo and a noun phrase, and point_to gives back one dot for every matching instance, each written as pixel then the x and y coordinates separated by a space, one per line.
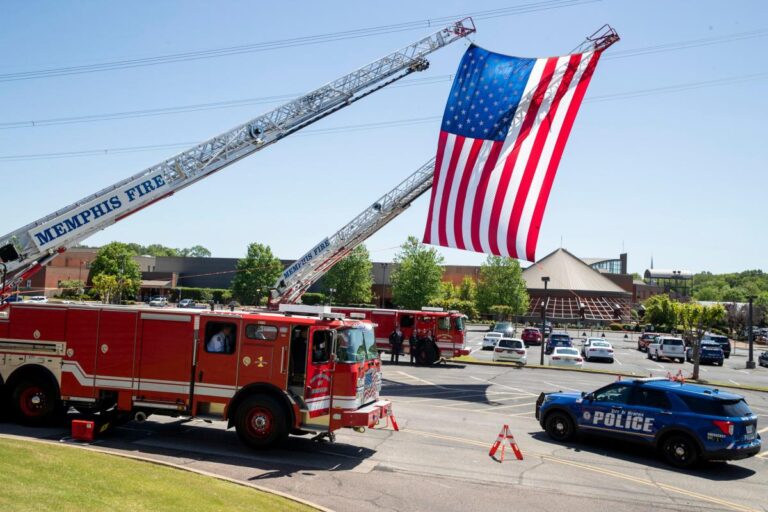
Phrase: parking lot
pixel 449 415
pixel 629 360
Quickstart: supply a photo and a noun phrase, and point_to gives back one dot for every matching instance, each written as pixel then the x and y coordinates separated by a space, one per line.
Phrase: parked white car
pixel 159 302
pixel 566 356
pixel 490 340
pixel 512 350
pixel 598 349
pixel 38 299
pixel 668 348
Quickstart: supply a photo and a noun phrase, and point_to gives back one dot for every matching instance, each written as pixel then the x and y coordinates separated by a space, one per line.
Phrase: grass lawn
pixel 39 477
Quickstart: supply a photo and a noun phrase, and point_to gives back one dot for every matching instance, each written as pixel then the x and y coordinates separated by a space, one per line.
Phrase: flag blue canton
pixel 485 94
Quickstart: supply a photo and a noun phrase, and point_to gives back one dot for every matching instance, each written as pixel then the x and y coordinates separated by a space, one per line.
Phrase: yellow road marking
pixel 595 469
pixel 511 406
pixel 763 431
pixel 762 455
pixel 419 380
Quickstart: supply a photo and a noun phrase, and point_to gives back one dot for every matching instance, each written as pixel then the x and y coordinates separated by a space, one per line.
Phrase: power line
pixel 287 43
pixel 198 107
pixel 394 123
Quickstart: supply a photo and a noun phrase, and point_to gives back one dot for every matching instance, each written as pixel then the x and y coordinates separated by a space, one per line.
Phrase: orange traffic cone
pixel 505 437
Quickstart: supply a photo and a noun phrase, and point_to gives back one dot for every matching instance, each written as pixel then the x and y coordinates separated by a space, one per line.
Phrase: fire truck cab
pixel 267 374
pixel 447 329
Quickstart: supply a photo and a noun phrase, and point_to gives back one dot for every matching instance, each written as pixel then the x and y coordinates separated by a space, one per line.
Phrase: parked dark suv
pixel 723 341
pixel 557 339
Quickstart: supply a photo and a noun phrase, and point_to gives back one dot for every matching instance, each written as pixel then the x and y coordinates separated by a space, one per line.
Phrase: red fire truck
pixel 446 327
pixel 267 374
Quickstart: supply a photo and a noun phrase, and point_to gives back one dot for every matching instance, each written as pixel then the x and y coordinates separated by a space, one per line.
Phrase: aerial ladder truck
pixel 267 374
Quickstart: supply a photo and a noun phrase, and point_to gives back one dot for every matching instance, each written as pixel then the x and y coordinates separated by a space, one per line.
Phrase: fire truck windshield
pixel 356 344
pixel 459 323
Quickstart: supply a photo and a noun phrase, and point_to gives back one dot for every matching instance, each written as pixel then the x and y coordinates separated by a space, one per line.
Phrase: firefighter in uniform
pixel 396 341
pixel 221 341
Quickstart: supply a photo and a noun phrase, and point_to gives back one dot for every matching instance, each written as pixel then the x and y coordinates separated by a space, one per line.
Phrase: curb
pixel 170 465
pixel 472 360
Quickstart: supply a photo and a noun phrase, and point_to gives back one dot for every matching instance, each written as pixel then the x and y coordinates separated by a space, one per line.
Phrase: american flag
pixel 504 130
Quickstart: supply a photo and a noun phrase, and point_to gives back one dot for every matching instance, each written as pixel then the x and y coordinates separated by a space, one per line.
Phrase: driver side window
pixel 321 346
pixel 618 394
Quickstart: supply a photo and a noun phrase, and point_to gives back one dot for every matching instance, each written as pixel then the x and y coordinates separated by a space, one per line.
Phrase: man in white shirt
pixel 221 341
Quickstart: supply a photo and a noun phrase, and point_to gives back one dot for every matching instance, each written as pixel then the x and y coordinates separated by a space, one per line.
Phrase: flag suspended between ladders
pixel 504 130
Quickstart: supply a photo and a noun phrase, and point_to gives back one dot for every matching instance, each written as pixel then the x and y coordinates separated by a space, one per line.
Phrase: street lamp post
pixel 750 336
pixel 544 318
pixel 331 291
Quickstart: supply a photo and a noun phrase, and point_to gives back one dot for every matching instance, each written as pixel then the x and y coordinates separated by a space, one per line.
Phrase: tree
pixel 196 251
pixel 116 259
pixel 352 278
pixel 106 286
pixel 501 284
pixel 416 278
pixel 468 289
pixel 71 288
pixel 660 311
pixel 160 250
pixel 699 319
pixel 257 271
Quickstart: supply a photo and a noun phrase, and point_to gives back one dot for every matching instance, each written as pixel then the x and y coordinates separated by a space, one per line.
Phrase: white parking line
pixel 617 361
pixel 512 406
pixel 556 386
pixel 733 381
pixel 763 431
pixel 502 385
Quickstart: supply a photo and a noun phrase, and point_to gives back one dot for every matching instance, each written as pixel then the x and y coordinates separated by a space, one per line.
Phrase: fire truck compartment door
pixel 115 350
pixel 165 357
pixel 216 373
pixel 319 383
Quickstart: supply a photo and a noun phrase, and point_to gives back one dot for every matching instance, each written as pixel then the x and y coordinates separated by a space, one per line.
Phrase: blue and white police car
pixel 685 422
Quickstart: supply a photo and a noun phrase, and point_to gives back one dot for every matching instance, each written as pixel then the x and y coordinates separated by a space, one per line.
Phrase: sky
pixel 666 159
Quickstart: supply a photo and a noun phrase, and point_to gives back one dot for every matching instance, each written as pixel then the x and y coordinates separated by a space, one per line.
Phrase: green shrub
pixel 616 327
pixel 312 299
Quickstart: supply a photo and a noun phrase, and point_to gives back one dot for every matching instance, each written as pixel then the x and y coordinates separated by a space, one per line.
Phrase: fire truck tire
pixel 261 422
pixel 34 402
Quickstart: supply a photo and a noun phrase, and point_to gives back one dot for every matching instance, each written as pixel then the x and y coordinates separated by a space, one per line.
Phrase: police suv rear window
pixel 715 407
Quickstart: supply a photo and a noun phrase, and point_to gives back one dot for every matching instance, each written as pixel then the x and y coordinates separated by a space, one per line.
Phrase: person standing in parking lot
pixel 412 346
pixel 396 342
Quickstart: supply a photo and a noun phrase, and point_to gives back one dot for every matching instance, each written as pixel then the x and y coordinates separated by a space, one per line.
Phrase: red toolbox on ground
pixel 83 430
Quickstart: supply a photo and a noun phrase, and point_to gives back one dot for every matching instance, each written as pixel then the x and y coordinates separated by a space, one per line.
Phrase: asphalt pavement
pixel 449 415
pixel 629 360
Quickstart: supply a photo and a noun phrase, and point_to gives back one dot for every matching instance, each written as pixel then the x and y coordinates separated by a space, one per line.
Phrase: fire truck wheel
pixel 34 402
pixel 261 422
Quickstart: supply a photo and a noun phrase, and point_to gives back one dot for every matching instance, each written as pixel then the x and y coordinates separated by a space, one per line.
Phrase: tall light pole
pixel 544 318
pixel 331 291
pixel 383 283
pixel 750 336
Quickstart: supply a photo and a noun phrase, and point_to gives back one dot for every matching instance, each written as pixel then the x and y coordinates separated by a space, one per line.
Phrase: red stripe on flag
pixel 534 157
pixel 442 232
pixel 557 153
pixel 482 187
pixel 438 164
pixel 461 196
pixel 511 160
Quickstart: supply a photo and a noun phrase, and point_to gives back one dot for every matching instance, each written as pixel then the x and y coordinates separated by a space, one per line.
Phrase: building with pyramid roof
pixel 575 292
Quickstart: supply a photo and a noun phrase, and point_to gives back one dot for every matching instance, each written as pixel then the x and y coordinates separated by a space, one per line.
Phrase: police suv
pixel 685 422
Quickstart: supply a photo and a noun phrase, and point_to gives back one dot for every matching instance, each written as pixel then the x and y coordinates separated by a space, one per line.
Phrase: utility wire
pixel 288 43
pixel 620 54
pixel 394 123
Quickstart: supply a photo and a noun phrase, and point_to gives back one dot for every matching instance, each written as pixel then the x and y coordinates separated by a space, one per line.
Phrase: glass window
pixel 651 398
pixel 618 394
pixel 220 337
pixel 321 346
pixel 716 407
pixel 355 345
pixel 406 321
pixel 510 343
pixel 444 323
pixel 458 323
pixel 261 332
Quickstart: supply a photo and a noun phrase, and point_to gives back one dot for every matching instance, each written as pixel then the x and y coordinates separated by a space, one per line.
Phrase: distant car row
pixel 648 338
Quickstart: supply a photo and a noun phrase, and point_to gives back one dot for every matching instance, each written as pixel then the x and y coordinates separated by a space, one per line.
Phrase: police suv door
pixel 603 411
pixel 650 410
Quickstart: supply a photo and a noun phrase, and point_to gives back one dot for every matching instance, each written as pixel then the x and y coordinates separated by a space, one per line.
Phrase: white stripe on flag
pixel 477 172
pixel 514 183
pixel 549 146
pixel 449 142
pixel 453 191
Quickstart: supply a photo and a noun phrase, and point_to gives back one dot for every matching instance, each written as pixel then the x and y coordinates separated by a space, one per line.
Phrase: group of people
pixel 417 338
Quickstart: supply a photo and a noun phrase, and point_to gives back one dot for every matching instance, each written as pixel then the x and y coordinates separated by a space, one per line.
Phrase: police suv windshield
pixel 356 344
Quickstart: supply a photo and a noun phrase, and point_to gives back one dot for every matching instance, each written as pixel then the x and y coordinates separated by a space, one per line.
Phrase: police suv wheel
pixel 559 426
pixel 680 451
pixel 260 422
